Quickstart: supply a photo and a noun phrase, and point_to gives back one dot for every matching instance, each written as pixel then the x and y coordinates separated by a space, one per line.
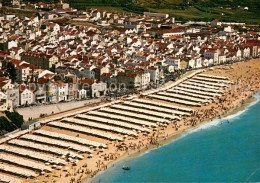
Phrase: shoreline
pixel 232 101
pixel 244 79
pixel 171 138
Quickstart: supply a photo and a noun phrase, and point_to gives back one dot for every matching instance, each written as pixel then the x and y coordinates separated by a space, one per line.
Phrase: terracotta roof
pixel 87 81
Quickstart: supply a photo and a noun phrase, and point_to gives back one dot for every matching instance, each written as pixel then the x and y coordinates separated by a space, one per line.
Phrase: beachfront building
pixel 5 104
pixel 82 94
pixel 222 59
pixel 51 92
pixel 174 61
pixel 136 53
pixel 154 74
pixel 40 94
pixel 138 80
pixel 245 52
pixel 144 79
pixel 212 54
pixel 9 94
pixel 98 89
pixel 26 95
pixel 72 91
pixel 62 91
pixel 184 63
pixel 13 95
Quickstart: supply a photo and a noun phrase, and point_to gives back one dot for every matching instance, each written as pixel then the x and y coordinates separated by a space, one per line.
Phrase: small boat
pixel 126 168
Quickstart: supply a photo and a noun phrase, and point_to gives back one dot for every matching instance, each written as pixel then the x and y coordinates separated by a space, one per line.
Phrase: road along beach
pixel 84 142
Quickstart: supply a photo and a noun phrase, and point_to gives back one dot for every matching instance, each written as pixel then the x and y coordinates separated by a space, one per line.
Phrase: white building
pixel 154 74
pixel 159 15
pixel 173 61
pixel 26 97
pixel 82 94
pixel 62 91
pixel 98 89
pixel 5 104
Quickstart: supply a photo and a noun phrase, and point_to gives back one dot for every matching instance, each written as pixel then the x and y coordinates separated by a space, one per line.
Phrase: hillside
pixel 252 4
pixel 206 10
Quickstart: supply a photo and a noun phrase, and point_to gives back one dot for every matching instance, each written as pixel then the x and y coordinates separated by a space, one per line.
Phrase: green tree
pixel 6 125
pixel 57 78
pixel 15 118
pixel 11 71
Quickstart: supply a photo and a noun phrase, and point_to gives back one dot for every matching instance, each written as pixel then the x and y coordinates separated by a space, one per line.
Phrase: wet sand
pixel 163 141
pixel 246 78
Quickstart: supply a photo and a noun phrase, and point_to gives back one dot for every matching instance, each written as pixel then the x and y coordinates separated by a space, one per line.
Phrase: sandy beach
pixel 162 141
pixel 246 82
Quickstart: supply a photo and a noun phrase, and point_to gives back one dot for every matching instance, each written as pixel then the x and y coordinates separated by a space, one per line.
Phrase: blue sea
pixel 226 150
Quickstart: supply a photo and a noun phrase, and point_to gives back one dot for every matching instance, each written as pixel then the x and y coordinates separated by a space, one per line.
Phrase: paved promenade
pixel 36 111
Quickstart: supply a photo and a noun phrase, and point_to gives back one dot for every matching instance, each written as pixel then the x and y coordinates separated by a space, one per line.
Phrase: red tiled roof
pixel 87 81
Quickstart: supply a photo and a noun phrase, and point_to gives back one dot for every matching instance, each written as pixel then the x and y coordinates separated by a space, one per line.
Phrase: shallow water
pixel 226 150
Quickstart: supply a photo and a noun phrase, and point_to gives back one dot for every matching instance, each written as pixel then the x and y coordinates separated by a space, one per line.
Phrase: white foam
pixel 230 118
pixel 215 122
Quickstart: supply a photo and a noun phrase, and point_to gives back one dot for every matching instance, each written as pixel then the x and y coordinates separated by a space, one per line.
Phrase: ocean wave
pixel 205 126
pixel 229 118
pixel 215 122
